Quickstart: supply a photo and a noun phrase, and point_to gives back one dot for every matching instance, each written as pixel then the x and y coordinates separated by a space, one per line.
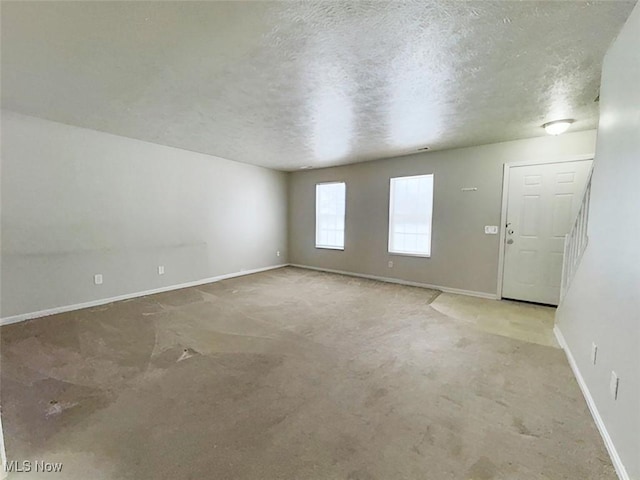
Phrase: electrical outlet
pixel 160 269
pixel 390 264
pixel 97 279
pixel 278 253
pixel 613 385
pixel 491 229
pixel 594 353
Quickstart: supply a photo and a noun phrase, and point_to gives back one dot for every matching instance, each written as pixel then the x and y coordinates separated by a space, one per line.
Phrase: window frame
pixel 391 212
pixel 344 217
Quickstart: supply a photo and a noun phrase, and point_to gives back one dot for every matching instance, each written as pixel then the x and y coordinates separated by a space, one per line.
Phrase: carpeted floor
pixel 291 374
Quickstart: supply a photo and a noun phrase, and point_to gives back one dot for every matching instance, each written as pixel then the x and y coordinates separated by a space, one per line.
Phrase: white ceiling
pixel 290 84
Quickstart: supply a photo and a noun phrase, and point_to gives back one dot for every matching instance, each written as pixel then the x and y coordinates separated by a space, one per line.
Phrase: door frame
pixel 505 197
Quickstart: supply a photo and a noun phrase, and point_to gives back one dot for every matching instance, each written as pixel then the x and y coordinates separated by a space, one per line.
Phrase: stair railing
pixel 575 242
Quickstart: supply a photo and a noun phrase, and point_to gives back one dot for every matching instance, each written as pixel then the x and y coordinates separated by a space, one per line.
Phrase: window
pixel 410 209
pixel 330 199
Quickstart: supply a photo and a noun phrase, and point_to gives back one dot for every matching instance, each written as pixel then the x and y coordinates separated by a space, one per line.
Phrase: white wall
pixel 603 302
pixel 462 256
pixel 76 202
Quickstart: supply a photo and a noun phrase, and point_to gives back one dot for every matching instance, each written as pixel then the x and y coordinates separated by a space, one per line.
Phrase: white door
pixel 542 203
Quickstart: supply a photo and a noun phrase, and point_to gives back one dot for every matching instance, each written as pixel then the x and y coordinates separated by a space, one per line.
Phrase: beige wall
pixel 76 202
pixel 603 301
pixel 462 257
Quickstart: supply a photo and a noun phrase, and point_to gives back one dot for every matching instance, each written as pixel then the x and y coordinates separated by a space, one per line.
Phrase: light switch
pixel 160 269
pixel 97 279
pixel 491 229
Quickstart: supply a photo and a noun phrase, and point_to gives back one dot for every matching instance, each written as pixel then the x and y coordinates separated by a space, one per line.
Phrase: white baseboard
pixel 611 448
pixel 3 454
pixel 470 293
pixel 94 303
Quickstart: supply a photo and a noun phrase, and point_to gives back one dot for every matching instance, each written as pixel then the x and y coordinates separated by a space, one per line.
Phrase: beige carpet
pixel 291 374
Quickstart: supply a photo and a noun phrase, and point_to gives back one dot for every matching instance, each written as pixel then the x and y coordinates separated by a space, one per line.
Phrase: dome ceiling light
pixel 557 126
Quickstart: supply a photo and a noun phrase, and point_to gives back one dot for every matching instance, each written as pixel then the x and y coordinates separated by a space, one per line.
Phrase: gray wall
pixel 76 202
pixel 603 301
pixel 462 256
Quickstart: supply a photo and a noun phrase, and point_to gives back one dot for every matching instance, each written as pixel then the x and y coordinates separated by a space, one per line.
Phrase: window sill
pixel 403 254
pixel 324 247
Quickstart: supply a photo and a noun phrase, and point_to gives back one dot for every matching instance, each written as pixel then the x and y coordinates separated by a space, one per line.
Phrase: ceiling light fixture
pixel 557 126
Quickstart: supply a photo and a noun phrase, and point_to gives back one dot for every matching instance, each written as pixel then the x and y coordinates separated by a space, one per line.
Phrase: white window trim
pixel 344 221
pixel 409 254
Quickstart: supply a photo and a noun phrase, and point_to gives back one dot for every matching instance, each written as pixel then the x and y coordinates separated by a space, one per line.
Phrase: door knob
pixel 510 232
pixel 510 241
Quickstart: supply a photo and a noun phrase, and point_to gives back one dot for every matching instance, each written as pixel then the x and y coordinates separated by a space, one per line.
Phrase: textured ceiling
pixel 290 84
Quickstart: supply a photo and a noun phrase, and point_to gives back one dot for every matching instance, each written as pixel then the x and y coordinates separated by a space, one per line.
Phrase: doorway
pixel 540 203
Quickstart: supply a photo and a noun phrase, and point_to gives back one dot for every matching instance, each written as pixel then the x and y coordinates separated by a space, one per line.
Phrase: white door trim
pixel 505 197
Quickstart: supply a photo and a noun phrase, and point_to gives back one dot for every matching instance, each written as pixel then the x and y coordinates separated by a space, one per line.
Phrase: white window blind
pixel 410 211
pixel 330 206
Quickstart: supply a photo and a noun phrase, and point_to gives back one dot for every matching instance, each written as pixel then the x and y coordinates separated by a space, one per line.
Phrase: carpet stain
pixel 482 469
pixel 522 429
